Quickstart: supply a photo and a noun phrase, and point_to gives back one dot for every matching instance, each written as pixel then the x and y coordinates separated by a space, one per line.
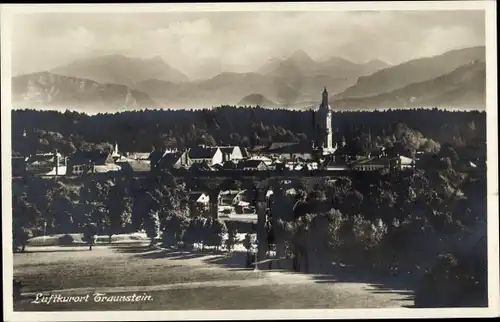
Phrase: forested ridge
pixel 228 125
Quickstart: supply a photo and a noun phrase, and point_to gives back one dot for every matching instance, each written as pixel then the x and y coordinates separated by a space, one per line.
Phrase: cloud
pixel 241 40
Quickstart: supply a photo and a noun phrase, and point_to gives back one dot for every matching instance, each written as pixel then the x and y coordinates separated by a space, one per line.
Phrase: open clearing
pixel 181 280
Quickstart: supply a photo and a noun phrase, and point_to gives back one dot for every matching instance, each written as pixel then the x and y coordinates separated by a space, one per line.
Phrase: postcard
pixel 249 161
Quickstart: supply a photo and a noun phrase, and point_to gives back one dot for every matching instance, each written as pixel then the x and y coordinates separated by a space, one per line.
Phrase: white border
pixel 492 164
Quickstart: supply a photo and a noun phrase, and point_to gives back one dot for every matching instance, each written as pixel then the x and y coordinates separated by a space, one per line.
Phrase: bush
pixel 368 234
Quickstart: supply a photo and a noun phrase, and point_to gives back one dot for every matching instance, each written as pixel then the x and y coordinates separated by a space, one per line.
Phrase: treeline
pixel 143 130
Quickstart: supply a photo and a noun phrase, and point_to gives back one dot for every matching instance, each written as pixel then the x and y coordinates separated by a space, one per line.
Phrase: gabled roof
pixel 169 159
pixel 139 155
pixel 42 157
pixel 244 152
pixel 135 166
pixel 227 149
pixel 194 196
pixel 201 152
pixel 203 166
pixel 250 164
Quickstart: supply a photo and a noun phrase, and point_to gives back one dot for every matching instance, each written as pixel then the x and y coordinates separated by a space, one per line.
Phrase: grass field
pixel 178 280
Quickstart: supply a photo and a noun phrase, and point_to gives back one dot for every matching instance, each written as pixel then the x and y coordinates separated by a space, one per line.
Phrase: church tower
pixel 324 126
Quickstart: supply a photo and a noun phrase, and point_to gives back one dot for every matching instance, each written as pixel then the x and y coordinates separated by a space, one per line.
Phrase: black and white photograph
pixel 332 157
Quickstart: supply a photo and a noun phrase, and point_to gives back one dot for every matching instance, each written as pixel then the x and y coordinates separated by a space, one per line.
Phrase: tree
pixel 119 210
pixel 90 234
pixel 152 223
pixel 217 230
pixel 63 210
pixel 20 236
pixel 232 234
pixel 248 243
pixel 177 225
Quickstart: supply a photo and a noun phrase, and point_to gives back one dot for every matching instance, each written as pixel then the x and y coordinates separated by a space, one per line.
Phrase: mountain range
pixel 47 90
pixel 118 69
pixel 123 83
pixel 463 87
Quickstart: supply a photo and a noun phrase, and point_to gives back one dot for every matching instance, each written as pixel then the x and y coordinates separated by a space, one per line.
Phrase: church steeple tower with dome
pixel 324 126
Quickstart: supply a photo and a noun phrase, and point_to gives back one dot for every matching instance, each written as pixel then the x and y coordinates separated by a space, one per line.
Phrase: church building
pixel 322 145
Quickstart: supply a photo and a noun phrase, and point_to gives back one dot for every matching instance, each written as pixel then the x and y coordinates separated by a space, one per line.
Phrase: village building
pixel 133 166
pixel 375 164
pixel 167 160
pixel 228 165
pixel 115 153
pixel 266 160
pixel 87 162
pixel 202 166
pixel 252 165
pixel 210 155
pixel 41 164
pixel 230 153
pixel 199 199
pixel 323 144
pixel 238 201
pixel 403 162
pixel 140 156
pixel 381 163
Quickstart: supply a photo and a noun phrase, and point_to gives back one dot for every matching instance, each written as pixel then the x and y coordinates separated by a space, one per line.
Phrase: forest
pixel 142 131
pixel 376 220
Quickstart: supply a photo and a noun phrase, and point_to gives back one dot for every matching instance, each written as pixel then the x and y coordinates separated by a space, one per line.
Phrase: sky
pixel 203 44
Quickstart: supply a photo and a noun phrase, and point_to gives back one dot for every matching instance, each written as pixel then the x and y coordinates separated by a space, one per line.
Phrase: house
pixel 234 197
pixel 166 160
pixel 143 156
pixel 46 164
pixel 265 159
pixel 372 164
pixel 210 155
pixel 252 165
pixel 200 199
pixel 286 150
pixel 202 166
pixel 229 165
pixel 335 164
pixel 403 162
pixel 130 165
pixel 115 154
pixel 230 153
pixel 227 197
pixel 85 162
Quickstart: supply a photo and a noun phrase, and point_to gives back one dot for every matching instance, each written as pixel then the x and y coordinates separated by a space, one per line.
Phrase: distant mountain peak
pixel 121 69
pixel 256 99
pixel 300 56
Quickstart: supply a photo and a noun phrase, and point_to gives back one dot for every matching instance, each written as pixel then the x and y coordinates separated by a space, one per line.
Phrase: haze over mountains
pixel 120 69
pixel 464 87
pixel 116 83
pixel 47 90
